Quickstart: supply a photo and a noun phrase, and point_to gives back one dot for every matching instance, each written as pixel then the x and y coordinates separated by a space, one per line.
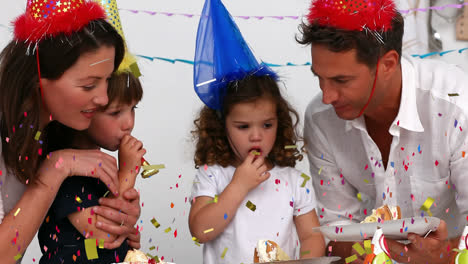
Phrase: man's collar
pixel 408 116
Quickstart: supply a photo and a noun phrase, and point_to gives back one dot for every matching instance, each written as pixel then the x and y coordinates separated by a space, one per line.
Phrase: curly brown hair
pixel 212 144
pixel 368 46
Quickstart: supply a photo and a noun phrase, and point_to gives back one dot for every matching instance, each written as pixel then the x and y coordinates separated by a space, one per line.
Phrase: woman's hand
pixel 123 214
pixel 77 162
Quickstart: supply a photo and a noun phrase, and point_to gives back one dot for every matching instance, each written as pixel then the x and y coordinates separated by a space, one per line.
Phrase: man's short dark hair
pixel 368 46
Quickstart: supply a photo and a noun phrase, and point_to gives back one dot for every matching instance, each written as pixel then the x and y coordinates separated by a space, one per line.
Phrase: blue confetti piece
pixel 406 229
pixel 321 156
pixel 419 148
pixel 308 191
pixel 225 216
pixel 455 124
pixel 392 164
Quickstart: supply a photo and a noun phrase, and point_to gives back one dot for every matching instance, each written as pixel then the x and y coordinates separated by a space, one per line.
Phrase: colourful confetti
pixel 91 250
pixel 208 230
pixel 426 205
pixel 17 211
pixel 167 230
pixel 306 178
pixel 17 257
pixel 224 253
pixel 155 223
pixel 78 199
pixel 290 147
pixel 351 259
pixel 358 249
pixel 101 243
pixel 38 135
pixel 368 246
pixel 251 206
pixel 453 94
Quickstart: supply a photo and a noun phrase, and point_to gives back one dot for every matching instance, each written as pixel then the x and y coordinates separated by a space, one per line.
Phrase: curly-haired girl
pixel 246 187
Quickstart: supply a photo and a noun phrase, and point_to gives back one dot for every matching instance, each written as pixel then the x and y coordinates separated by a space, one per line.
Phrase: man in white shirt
pixel 386 129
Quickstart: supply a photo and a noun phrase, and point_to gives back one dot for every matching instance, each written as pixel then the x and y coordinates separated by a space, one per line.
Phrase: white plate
pixel 394 229
pixel 321 260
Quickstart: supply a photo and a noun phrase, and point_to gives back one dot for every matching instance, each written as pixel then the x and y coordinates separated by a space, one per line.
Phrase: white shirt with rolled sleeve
pixel 277 201
pixel 427 155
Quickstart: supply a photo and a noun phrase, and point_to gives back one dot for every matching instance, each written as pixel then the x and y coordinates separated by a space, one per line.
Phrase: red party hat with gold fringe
pixel 48 18
pixel 375 15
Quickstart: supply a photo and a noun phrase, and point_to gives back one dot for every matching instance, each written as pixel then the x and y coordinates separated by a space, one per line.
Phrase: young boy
pixel 71 219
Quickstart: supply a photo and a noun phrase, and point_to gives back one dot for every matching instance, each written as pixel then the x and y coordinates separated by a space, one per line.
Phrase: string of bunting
pixel 288 64
pixel 421 56
pixel 403 11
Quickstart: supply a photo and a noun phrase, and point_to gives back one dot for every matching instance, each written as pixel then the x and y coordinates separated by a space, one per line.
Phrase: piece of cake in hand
pixel 383 213
pixel 268 251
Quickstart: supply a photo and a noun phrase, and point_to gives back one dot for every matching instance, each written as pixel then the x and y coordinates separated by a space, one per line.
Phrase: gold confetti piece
pixel 351 259
pixel 366 180
pixel 453 94
pixel 91 250
pixel 155 223
pixel 208 230
pixel 38 135
pixel 196 241
pixel 154 167
pixel 152 248
pixel 105 195
pixel 306 178
pixel 167 230
pixel 224 253
pixel 256 153
pixel 359 197
pixel 17 211
pixel 358 249
pixel 251 206
pixel 305 253
pixel 101 243
pixel 368 246
pixel 78 199
pixel 426 205
pixel 320 171
pixel 290 147
pixel 17 256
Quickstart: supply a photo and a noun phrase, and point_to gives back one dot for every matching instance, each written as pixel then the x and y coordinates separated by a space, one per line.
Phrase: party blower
pixel 379 250
pixel 148 169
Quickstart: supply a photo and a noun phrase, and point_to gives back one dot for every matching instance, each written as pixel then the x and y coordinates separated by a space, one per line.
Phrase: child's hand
pixel 251 173
pixel 130 153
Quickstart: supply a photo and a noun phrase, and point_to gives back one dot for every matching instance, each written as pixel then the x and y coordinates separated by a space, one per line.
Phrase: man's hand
pixel 434 249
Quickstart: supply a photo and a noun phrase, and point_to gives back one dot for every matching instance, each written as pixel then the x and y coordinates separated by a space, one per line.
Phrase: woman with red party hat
pixel 54 70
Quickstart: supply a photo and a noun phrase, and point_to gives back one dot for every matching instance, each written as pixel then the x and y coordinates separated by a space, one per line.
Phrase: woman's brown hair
pixel 20 97
pixel 212 145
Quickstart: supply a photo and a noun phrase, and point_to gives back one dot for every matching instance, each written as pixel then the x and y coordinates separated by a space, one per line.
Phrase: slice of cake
pixel 383 213
pixel 139 257
pixel 268 251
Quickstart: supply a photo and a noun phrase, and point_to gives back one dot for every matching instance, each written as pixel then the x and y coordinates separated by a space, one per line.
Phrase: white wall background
pixel 165 115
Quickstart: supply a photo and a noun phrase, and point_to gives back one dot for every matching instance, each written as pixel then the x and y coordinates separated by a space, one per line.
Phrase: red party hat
pixel 48 18
pixel 353 15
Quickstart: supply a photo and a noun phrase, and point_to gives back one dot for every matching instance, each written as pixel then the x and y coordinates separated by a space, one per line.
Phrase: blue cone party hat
pixel 221 55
